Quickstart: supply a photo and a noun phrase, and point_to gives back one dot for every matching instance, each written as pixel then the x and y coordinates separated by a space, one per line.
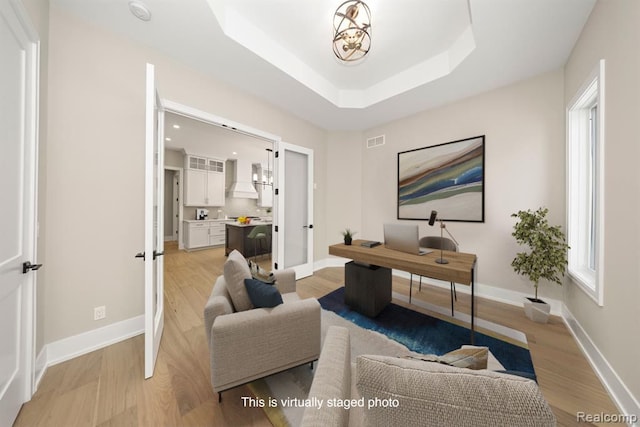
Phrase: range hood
pixel 241 187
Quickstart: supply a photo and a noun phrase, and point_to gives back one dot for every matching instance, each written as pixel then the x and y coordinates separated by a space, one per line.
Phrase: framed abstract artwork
pixel 447 178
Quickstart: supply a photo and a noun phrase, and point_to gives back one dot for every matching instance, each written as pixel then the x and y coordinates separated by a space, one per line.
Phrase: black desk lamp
pixel 443 226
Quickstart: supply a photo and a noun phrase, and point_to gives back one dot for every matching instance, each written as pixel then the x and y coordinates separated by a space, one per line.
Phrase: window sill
pixel 587 285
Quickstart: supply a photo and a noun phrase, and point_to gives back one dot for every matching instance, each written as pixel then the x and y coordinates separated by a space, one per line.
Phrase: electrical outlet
pixel 99 312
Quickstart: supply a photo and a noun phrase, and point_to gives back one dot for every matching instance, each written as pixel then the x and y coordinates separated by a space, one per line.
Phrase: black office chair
pixel 437 242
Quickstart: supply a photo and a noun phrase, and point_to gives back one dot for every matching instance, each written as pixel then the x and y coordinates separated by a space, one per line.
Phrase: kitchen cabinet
pixel 201 234
pixel 204 181
pixel 264 185
pixel 237 238
pixel 196 234
pixel 216 234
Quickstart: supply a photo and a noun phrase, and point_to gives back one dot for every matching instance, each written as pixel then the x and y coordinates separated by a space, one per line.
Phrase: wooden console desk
pixel 460 269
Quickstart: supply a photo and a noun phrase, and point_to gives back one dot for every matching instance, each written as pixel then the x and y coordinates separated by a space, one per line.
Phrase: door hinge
pixel 276 192
pixel 275 229
pixel 277 154
pixel 275 265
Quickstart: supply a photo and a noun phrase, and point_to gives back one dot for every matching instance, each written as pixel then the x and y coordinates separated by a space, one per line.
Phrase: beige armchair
pixel 257 342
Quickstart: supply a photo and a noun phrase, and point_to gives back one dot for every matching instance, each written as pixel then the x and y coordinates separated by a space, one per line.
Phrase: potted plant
pixel 546 258
pixel 348 236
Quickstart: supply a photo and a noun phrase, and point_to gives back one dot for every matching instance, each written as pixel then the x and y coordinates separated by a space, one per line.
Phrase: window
pixel 585 184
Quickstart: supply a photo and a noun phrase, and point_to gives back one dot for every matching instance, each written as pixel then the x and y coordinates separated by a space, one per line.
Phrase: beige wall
pixel 613 33
pixel 343 208
pixel 95 159
pixel 174 158
pixel 38 11
pixel 524 169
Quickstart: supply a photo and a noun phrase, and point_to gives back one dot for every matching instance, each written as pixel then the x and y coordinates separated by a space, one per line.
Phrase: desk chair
pixel 260 233
pixel 437 242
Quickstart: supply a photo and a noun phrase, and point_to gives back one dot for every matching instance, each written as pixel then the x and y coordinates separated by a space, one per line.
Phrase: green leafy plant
pixel 547 255
pixel 348 235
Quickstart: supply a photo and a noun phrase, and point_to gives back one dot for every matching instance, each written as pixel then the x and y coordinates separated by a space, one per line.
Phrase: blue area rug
pixel 428 335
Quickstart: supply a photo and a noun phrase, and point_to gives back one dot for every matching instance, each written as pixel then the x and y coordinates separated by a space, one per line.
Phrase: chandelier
pixel 352 30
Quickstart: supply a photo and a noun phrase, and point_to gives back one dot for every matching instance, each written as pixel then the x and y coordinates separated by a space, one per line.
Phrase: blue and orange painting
pixel 448 178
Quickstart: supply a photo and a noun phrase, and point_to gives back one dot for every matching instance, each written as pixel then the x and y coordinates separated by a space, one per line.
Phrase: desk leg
pixel 473 304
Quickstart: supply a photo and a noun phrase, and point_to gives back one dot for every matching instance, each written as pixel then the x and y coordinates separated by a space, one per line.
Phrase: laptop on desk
pixel 403 238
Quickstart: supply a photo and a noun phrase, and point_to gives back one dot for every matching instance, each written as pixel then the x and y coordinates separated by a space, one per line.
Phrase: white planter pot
pixel 536 310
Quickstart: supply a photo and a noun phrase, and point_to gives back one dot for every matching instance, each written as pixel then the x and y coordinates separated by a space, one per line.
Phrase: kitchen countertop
pixel 209 220
pixel 252 224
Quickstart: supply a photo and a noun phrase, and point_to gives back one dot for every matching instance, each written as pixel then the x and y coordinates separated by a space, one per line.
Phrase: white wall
pixel 524 169
pixel 612 32
pixel 95 129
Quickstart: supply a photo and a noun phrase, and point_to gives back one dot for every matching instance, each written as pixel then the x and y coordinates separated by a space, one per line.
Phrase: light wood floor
pixel 107 387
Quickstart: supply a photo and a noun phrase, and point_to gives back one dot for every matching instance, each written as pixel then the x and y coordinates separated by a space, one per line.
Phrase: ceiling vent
pixel 375 141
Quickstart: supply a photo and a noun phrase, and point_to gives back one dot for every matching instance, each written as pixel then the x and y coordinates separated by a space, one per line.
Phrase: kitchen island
pixel 237 238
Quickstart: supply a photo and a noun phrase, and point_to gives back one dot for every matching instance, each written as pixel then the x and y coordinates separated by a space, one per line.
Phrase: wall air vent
pixel 375 141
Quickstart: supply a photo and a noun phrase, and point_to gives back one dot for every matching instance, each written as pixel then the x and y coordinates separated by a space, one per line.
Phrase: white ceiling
pixel 424 53
pixel 196 137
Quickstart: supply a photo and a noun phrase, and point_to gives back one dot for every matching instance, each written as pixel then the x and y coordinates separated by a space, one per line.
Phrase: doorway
pixel 172 204
pixel 302 209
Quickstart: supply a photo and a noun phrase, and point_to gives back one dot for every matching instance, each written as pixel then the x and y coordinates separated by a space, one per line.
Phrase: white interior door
pixel 294 209
pixel 153 225
pixel 18 130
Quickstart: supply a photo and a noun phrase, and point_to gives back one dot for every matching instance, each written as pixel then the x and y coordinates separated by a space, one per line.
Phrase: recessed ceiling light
pixel 140 10
pixel 176 126
pixel 234 153
pixel 167 139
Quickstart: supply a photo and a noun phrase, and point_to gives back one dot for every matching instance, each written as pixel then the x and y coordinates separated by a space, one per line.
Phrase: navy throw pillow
pixel 262 294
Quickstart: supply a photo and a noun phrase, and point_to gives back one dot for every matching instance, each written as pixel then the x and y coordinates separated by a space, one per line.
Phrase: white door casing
pixel 19 53
pixel 153 224
pixel 293 212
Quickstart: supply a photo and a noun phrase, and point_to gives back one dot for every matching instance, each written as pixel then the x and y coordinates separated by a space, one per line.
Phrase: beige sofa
pixel 408 392
pixel 247 343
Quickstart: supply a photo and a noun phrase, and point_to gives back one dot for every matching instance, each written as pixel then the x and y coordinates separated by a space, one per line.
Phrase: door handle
pixel 27 266
pixel 157 254
pixel 308 226
pixel 140 255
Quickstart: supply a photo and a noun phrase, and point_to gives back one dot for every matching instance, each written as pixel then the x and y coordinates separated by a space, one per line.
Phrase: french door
pixel 153 225
pixel 18 178
pixel 294 209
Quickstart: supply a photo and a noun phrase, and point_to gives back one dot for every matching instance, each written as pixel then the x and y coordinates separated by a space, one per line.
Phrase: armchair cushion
pixel 262 294
pixel 236 270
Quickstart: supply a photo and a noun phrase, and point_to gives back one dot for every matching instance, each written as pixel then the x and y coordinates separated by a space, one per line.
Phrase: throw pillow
pixel 261 274
pixel 469 357
pixel 235 271
pixel 262 294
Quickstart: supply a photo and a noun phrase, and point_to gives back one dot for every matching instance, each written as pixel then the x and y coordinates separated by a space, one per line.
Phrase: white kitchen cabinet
pixel 204 181
pixel 217 233
pixel 264 185
pixel 265 195
pixel 200 234
pixel 196 234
